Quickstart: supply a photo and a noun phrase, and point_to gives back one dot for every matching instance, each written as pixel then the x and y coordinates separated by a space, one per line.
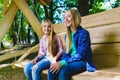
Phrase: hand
pixel 55 67
pixel 34 61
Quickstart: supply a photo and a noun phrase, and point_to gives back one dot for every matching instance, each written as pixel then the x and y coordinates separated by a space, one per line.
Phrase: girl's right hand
pixel 34 61
pixel 55 67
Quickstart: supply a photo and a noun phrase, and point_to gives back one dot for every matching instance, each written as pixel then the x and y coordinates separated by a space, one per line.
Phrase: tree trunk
pixel 46 12
pixel 83 7
pixel 14 34
pixel 28 38
pixel 2 46
pixel 36 37
pixel 51 11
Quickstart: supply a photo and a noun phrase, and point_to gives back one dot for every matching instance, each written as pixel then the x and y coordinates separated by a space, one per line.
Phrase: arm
pixel 40 53
pixel 55 67
pixel 60 46
pixel 83 46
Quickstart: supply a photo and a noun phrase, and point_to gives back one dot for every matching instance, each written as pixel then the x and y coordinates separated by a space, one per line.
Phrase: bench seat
pixel 104 74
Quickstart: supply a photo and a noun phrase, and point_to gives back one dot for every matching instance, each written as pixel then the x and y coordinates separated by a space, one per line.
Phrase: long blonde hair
pixel 76 20
pixel 52 43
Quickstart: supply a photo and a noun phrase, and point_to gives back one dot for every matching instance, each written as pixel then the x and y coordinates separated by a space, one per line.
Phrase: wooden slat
pixel 104 34
pixel 102 18
pixel 29 51
pixel 109 49
pixel 12 55
pixel 7 20
pixel 5 8
pixel 106 60
pixel 62 36
pixel 59 28
pixel 21 64
pixel 35 23
pixel 43 2
pixel 98 75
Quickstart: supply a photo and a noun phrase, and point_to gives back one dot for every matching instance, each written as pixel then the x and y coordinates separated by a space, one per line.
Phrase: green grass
pixel 14 73
pixel 9 73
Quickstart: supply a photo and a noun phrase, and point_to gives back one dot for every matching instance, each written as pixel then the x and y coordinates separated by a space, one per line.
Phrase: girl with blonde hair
pixel 51 48
pixel 78 56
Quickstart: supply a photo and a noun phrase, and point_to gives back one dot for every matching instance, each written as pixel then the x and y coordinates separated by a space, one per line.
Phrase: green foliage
pixel 116 4
pixel 1 5
pixel 96 7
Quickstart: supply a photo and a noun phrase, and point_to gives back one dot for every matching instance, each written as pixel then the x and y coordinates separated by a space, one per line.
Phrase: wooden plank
pixel 59 28
pixel 5 7
pixel 34 22
pixel 62 36
pixel 31 50
pixel 98 75
pixel 102 18
pixel 43 2
pixel 105 34
pixel 106 60
pixel 7 20
pixel 21 64
pixel 109 49
pixel 12 55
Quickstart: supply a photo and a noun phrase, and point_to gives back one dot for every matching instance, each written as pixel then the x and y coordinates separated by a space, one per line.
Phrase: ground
pixel 14 73
pixel 9 73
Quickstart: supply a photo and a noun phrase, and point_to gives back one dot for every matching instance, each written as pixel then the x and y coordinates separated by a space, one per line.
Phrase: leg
pixel 52 76
pixel 38 67
pixel 71 69
pixel 28 70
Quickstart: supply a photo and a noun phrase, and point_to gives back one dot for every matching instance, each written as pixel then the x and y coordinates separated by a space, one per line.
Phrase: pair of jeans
pixel 33 71
pixel 67 71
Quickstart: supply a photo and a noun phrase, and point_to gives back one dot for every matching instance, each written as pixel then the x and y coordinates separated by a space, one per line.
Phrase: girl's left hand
pixel 55 67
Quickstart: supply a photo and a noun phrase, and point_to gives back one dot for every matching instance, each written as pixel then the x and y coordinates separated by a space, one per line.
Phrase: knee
pixel 36 69
pixel 27 69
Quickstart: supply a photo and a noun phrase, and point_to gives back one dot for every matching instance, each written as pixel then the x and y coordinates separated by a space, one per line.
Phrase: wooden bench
pixel 104 31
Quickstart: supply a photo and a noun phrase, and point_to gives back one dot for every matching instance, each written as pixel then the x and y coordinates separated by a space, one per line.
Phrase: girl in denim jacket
pixel 78 55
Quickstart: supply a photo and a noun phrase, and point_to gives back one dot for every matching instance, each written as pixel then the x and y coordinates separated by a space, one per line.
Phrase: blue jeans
pixel 67 71
pixel 33 71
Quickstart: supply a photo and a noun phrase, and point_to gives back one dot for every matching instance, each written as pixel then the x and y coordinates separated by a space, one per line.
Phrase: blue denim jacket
pixel 82 42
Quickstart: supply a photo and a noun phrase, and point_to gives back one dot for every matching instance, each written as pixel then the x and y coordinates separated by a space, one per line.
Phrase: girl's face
pixel 68 19
pixel 46 28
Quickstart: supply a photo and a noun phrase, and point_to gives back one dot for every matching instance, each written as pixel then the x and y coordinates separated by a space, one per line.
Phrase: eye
pixel 49 26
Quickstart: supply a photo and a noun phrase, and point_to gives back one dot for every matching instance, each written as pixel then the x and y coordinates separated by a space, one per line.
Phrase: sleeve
pixel 60 44
pixel 83 45
pixel 41 49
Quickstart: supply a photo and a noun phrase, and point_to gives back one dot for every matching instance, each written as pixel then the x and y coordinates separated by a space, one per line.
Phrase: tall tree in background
pixel 84 6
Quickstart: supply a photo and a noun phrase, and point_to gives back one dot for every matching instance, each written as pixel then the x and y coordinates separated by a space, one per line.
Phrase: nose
pixel 46 27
